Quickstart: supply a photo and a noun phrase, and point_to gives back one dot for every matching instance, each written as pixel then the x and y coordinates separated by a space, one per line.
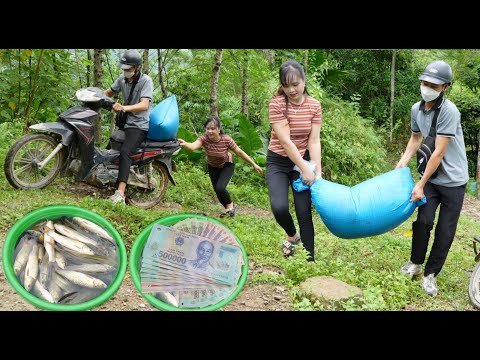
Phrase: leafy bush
pixel 351 149
pixel 9 133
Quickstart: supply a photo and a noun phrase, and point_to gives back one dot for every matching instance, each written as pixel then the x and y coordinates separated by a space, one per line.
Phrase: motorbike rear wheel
pixel 22 160
pixel 474 286
pixel 148 198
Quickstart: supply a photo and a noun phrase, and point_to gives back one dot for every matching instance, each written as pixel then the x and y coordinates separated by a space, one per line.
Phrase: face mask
pixel 428 94
pixel 129 74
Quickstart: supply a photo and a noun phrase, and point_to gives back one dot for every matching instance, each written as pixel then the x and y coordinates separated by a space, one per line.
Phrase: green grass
pixel 372 264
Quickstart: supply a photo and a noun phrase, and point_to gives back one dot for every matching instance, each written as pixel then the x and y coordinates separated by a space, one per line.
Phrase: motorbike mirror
pixel 87 95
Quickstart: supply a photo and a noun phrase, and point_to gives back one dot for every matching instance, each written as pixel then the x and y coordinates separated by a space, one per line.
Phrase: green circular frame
pixel 52 213
pixel 136 253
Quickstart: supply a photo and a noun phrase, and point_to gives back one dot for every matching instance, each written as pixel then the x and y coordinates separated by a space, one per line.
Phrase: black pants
pixel 450 200
pixel 220 178
pixel 133 138
pixel 280 175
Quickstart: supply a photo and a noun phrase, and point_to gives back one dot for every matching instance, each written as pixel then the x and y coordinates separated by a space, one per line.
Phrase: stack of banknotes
pixel 193 264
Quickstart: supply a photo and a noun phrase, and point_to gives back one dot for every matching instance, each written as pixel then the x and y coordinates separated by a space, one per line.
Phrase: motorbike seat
pixel 118 136
pixel 162 144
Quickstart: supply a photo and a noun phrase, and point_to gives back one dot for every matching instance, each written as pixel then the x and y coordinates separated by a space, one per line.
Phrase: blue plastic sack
pixel 370 208
pixel 164 120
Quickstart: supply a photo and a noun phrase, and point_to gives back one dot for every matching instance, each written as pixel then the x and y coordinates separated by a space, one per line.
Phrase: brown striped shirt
pixel 217 152
pixel 300 119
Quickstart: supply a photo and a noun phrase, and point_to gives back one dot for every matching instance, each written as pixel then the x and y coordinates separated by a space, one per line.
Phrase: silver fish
pixel 73 245
pixel 79 296
pixel 42 292
pixel 22 256
pixel 91 268
pixel 31 270
pixel 73 234
pixel 65 284
pixel 60 260
pixel 54 288
pixel 41 253
pixel 82 279
pixel 93 228
pixel 167 298
pixel 76 258
pixel 48 242
pixel 45 271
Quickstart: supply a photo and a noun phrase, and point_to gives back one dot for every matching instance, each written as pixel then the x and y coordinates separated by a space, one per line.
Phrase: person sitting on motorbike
pixel 138 113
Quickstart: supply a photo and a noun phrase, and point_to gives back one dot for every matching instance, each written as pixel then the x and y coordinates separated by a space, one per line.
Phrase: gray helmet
pixel 437 72
pixel 129 58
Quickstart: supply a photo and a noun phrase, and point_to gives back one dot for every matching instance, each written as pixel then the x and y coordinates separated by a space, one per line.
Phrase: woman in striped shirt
pixel 220 160
pixel 296 119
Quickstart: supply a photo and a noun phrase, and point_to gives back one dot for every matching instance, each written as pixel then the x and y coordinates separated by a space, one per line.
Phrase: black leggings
pixel 280 175
pixel 133 138
pixel 220 178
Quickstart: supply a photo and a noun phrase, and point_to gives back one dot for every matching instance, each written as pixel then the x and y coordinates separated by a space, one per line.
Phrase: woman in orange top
pixel 220 160
pixel 296 119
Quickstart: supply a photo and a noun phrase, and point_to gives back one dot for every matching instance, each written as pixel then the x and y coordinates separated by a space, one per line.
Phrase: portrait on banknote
pixel 205 251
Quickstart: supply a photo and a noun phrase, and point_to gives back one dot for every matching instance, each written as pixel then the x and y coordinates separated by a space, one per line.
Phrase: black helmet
pixel 129 58
pixel 437 72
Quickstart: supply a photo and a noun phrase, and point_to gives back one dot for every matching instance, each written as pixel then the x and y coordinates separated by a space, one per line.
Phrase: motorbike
pixel 67 147
pixel 474 283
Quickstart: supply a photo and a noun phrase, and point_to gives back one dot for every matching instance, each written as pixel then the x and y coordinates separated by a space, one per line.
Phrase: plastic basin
pixel 53 213
pixel 136 254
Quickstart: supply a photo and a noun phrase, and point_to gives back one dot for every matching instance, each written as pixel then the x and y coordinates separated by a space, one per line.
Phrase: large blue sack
pixel 164 120
pixel 370 208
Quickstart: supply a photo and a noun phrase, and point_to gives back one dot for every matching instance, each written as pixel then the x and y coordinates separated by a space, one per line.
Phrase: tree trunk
pixel 78 69
pixel 89 58
pixel 160 73
pixel 97 68
pixel 109 67
pixel 305 62
pixel 215 76
pixel 19 100
pixel 269 54
pixel 392 92
pixel 145 67
pixel 97 81
pixel 32 92
pixel 245 83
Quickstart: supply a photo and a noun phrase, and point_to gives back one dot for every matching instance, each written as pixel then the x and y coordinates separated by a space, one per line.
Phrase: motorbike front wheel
pixel 474 286
pixel 148 198
pixel 22 168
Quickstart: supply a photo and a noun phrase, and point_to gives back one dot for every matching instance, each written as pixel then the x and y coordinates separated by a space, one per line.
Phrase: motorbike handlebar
pixel 108 103
pixel 95 98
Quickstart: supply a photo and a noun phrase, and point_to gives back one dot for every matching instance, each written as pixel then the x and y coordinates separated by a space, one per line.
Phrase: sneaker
pixel 230 212
pixel 411 269
pixel 117 198
pixel 429 284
